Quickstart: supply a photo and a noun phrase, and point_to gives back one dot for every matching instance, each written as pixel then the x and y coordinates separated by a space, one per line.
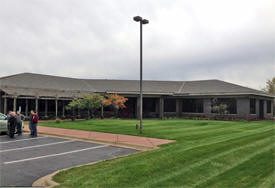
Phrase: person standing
pixel 34 123
pixel 19 118
pixel 11 124
pixel 30 124
pixel 9 115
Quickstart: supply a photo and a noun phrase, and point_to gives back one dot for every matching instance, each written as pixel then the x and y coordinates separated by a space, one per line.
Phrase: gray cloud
pixel 185 40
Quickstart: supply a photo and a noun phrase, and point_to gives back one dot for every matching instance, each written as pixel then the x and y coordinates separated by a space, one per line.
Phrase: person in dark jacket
pixel 11 124
pixel 34 122
pixel 30 124
pixel 19 118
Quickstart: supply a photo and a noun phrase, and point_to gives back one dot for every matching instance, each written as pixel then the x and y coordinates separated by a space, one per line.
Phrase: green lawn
pixel 207 154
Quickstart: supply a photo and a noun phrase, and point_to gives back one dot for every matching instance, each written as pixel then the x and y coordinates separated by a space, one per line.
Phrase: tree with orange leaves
pixel 115 101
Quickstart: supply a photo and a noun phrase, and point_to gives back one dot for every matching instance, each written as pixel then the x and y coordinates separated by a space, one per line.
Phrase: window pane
pixel 169 105
pixel 149 105
pixel 230 102
pixel 268 110
pixel 192 105
pixel 252 106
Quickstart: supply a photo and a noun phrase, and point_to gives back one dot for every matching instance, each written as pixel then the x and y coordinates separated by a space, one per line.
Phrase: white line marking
pixel 22 139
pixel 53 155
pixel 35 146
pixel 7 135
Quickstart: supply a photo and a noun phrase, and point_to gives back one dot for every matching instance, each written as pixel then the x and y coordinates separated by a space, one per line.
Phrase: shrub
pixel 220 109
pixel 58 120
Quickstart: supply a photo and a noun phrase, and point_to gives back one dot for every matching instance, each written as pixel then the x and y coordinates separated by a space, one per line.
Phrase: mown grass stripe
pixel 239 174
pixel 268 181
pixel 115 171
pixel 177 172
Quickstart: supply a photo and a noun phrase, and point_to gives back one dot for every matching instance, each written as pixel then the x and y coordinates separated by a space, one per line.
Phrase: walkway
pixel 116 139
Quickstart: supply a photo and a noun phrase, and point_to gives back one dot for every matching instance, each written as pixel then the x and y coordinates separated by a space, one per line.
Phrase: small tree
pixel 270 86
pixel 115 101
pixel 92 102
pixel 74 104
pixel 88 102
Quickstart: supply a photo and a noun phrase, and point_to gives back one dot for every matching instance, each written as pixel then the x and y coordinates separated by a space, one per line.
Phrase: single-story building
pixel 48 95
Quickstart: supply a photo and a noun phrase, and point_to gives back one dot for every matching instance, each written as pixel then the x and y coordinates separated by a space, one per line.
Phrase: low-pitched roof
pixel 45 85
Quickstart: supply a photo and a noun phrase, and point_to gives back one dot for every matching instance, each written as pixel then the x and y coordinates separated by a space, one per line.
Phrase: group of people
pixel 15 121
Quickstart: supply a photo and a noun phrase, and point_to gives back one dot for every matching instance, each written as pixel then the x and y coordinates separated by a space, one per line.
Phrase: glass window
pixel 252 106
pixel 149 105
pixel 268 107
pixel 169 105
pixel 231 104
pixel 192 105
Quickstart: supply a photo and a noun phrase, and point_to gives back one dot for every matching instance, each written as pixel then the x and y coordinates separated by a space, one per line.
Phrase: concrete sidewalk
pixel 117 139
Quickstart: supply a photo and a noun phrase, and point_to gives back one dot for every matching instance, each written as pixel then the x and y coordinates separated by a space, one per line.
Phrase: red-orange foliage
pixel 115 100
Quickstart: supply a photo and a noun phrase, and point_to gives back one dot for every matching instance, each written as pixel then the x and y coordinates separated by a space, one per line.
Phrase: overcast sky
pixel 231 40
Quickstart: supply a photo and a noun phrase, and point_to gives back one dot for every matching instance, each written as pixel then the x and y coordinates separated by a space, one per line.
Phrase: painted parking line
pixel 8 135
pixel 53 155
pixel 35 146
pixel 22 140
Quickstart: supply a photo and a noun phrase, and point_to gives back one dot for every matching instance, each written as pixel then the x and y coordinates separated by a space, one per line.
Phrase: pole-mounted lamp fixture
pixel 141 21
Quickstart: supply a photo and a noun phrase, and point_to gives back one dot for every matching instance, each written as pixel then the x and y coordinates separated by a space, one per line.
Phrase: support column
pixel 14 104
pixel 5 105
pixel 56 108
pixel 26 107
pixel 88 114
pixel 73 114
pixel 78 113
pixel 207 106
pixel 265 109
pixel 178 107
pixel 102 112
pixel 157 106
pixel 46 108
pixel 161 107
pixel 257 108
pixel 36 105
pixel 243 107
pixel 1 109
pixel 272 108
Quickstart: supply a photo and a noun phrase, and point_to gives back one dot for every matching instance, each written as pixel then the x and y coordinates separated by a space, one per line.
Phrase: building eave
pixel 225 94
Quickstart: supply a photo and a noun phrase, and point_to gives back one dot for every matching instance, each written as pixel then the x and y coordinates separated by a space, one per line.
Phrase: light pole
pixel 141 21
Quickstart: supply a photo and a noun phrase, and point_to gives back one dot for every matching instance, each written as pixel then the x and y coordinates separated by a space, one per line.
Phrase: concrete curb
pixel 46 181
pixel 124 145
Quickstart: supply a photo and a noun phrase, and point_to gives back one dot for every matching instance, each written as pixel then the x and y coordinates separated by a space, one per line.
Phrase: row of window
pixel 253 106
pixel 196 105
pixel 188 105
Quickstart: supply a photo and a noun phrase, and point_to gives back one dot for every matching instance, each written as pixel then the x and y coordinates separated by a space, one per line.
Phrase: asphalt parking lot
pixel 24 159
